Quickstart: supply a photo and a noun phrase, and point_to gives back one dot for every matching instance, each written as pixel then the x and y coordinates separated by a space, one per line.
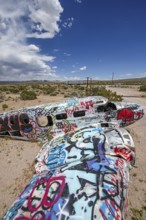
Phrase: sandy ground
pixel 17 157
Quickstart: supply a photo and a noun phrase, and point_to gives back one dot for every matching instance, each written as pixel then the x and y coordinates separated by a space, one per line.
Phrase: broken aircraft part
pixel 85 175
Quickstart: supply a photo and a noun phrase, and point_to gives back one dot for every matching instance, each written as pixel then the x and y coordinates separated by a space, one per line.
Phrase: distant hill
pixel 24 82
pixel 132 81
pixel 135 81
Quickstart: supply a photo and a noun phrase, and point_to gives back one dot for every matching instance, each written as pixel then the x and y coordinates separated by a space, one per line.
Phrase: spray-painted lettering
pixel 15 123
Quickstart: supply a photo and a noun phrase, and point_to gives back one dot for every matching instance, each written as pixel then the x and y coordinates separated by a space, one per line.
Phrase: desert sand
pixel 17 157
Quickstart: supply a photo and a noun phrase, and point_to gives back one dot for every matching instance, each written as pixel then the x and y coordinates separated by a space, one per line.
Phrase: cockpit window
pixel 79 113
pixel 61 116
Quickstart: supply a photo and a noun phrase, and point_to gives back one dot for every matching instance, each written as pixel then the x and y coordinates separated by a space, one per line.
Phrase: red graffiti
pixel 139 114
pixel 71 111
pixel 46 192
pixel 87 104
pixel 124 152
pixel 126 115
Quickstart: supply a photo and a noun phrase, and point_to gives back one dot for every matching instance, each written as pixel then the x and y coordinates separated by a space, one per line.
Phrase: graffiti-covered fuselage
pixel 83 172
pixel 46 121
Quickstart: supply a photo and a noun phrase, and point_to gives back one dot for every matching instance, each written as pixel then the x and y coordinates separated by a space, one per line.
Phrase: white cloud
pixel 83 68
pixel 45 15
pixel 31 18
pixel 74 71
pixel 78 1
pixel 8 9
pixel 68 23
pixel 96 78
pixel 56 50
pixel 67 54
pixel 141 74
pixel 54 67
pixel 39 17
pixel 129 74
pixel 126 75
pixel 134 75
pixel 23 62
pixel 69 78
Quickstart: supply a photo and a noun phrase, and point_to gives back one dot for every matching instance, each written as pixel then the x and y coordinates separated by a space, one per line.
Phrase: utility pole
pixel 90 85
pixel 113 77
pixel 87 86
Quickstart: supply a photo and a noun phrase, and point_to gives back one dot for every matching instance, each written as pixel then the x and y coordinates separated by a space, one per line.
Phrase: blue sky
pixel 72 39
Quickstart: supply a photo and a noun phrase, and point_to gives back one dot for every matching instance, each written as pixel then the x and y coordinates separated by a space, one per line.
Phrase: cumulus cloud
pixel 44 15
pixel 83 68
pixel 31 18
pixel 23 62
pixel 39 17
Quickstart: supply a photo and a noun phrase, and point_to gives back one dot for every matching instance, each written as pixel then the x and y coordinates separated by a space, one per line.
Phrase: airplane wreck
pixel 44 122
pixel 82 169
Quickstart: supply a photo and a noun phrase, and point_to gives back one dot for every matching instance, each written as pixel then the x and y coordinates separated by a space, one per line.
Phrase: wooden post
pixel 87 86
pixel 112 78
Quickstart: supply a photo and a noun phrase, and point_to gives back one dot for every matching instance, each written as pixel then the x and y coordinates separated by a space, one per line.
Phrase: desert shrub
pixel 65 87
pixel 77 87
pixel 48 90
pixel 102 91
pixel 53 93
pixel 2 97
pixel 142 88
pixel 4 106
pixel 137 214
pixel 10 89
pixel 81 95
pixel 36 86
pixel 22 87
pixel 66 95
pixel 3 88
pixel 28 95
pixel 74 94
pixel 14 89
pixel 81 88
